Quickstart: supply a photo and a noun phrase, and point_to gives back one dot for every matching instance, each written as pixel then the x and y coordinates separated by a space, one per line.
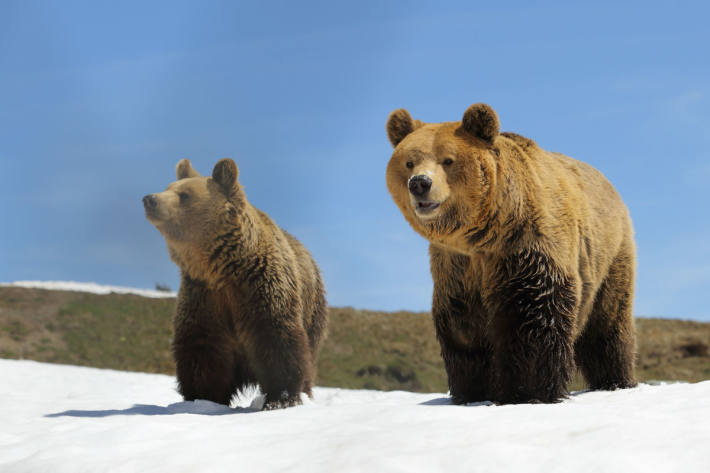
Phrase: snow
pixel 56 418
pixel 91 287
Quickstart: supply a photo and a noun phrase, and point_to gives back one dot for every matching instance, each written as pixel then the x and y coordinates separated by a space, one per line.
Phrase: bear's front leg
pixel 281 358
pixel 460 323
pixel 534 306
pixel 202 347
pixel 205 368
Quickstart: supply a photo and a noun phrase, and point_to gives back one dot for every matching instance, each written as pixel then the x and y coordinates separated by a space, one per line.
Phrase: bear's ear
pixel 225 174
pixel 184 170
pixel 481 121
pixel 399 125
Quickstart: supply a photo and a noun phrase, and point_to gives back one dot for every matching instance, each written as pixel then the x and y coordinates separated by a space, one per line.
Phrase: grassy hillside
pixel 364 349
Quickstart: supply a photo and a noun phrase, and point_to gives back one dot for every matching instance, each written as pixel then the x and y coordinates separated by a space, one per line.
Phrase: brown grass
pixel 364 349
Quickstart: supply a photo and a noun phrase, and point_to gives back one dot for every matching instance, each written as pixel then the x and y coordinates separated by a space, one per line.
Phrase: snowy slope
pixel 91 287
pixel 56 418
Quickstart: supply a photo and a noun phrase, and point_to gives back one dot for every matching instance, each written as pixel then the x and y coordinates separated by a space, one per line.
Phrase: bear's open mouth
pixel 426 206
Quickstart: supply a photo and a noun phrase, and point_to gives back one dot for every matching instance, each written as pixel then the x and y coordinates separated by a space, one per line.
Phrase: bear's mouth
pixel 426 206
pixel 153 215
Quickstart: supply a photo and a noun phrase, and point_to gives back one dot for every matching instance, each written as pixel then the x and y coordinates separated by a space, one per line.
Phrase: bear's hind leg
pixel 316 332
pixel 605 350
pixel 243 375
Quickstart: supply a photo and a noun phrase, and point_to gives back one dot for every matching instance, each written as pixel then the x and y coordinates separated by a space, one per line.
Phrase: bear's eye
pixel 448 161
pixel 184 197
pixel 410 164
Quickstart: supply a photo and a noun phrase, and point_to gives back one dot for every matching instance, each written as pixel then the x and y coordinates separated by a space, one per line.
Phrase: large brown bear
pixel 532 256
pixel 251 307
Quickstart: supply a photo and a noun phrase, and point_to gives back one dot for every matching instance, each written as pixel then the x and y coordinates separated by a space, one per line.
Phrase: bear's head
pixel 194 210
pixel 442 176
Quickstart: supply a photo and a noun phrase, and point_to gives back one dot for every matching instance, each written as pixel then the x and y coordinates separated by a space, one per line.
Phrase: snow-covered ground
pixel 56 418
pixel 91 287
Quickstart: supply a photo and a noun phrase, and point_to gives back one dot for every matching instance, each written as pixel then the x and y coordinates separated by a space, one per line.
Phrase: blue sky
pixel 99 100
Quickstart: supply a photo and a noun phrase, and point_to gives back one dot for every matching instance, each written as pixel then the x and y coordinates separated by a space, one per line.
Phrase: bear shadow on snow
pixel 253 398
pixel 205 408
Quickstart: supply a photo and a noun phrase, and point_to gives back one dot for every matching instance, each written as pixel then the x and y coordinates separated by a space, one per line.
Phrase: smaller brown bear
pixel 251 307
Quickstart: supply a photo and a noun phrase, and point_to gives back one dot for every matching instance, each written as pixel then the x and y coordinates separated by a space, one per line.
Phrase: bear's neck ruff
pixel 502 217
pixel 229 250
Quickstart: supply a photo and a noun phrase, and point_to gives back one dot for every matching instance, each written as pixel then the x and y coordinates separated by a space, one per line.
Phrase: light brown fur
pixel 511 215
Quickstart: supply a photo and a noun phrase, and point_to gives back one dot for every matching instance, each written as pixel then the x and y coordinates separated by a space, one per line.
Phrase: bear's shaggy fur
pixel 532 256
pixel 251 307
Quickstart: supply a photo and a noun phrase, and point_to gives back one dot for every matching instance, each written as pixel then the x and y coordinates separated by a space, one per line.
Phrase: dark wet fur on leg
pixel 534 310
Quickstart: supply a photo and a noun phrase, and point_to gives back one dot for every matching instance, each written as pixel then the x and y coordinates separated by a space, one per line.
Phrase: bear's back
pixel 600 201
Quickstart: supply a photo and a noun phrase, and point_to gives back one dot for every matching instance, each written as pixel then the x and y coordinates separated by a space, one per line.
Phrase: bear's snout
pixel 150 202
pixel 419 185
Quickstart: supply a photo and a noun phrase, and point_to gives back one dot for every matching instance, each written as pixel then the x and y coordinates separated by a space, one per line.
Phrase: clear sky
pixel 99 100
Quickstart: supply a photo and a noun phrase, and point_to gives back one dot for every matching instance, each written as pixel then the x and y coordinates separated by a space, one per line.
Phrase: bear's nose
pixel 419 185
pixel 150 202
